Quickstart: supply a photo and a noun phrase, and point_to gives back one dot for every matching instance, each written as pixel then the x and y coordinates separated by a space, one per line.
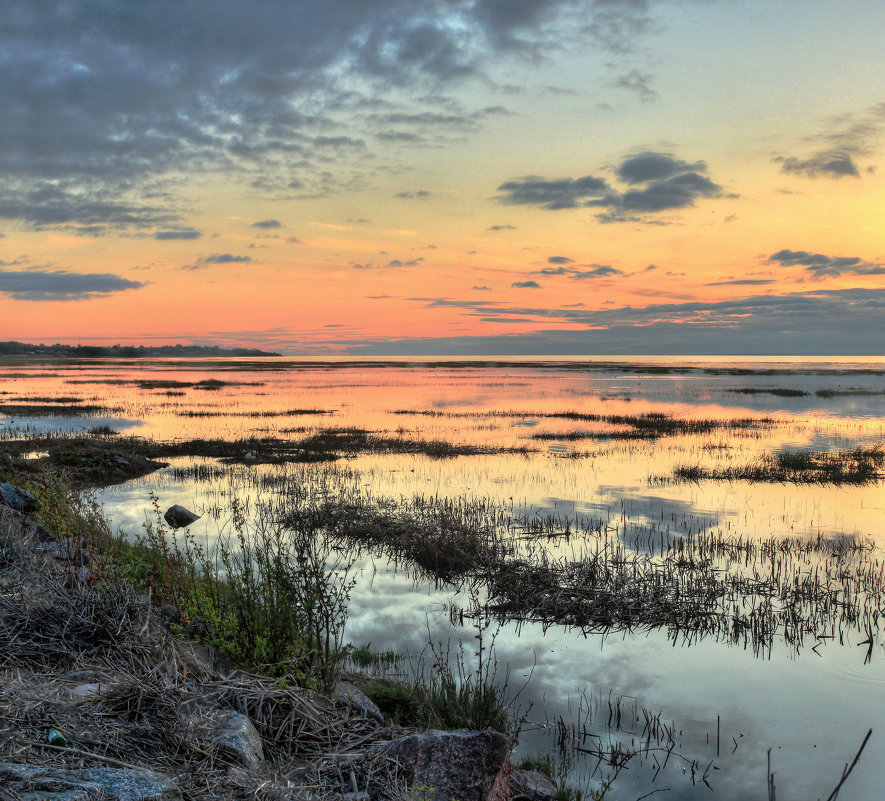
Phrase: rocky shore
pixel 98 700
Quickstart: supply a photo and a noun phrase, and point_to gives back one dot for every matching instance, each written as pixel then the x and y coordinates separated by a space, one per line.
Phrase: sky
pixel 434 177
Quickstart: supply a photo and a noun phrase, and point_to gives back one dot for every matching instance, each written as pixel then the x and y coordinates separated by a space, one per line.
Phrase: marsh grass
pixel 271 598
pixel 55 410
pixel 781 392
pixel 859 466
pixel 640 426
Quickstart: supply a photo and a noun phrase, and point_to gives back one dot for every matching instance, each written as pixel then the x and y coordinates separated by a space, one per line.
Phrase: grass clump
pixel 860 466
pixel 272 599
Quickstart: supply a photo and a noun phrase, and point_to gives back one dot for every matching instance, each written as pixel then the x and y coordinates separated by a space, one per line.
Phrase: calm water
pixel 810 707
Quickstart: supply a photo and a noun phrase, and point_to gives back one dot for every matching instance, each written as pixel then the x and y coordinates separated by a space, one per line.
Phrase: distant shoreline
pixel 12 348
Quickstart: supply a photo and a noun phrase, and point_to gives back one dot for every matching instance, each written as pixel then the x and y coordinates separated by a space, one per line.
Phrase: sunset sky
pixel 445 176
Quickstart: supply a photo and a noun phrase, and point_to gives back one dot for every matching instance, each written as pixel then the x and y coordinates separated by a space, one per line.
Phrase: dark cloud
pixel 182 233
pixel 563 193
pixel 837 148
pixel 226 258
pixel 501 228
pixel 62 285
pixel 596 271
pixel 81 209
pixel 420 194
pixel 743 282
pixel 267 224
pixel 559 260
pixel 659 183
pixel 820 265
pixel 821 165
pixel 650 166
pixel 526 285
pixel 111 103
pixel 482 288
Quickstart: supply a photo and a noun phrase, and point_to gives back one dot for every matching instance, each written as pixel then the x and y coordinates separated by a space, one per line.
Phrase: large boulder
pixel 16 498
pixel 41 783
pixel 455 765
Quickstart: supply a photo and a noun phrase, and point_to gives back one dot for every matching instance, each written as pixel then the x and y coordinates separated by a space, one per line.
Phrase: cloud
pixel 226 258
pixel 638 83
pixel 743 282
pixel 563 193
pixel 838 147
pixel 481 288
pixel 817 322
pixel 181 233
pixel 61 285
pixel 827 164
pixel 526 285
pixel 820 265
pixel 267 224
pixel 651 166
pixel 116 105
pixel 420 194
pixel 657 182
pixel 501 228
pixel 559 260
pixel 596 271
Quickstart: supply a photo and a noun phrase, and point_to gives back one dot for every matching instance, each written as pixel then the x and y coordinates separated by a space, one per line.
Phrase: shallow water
pixel 810 707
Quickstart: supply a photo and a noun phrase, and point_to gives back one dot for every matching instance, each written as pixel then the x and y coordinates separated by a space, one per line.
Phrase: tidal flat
pixel 683 582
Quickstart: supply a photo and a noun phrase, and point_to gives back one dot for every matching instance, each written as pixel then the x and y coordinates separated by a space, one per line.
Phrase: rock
pixel 179 517
pixel 88 692
pixel 69 549
pixel 238 737
pixel 229 731
pixel 18 499
pixel 345 694
pixel 33 782
pixel 5 459
pixel 531 785
pixel 460 765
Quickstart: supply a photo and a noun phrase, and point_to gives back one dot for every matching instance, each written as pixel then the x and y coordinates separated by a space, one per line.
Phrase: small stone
pixel 88 692
pixel 347 695
pixel 531 785
pixel 179 517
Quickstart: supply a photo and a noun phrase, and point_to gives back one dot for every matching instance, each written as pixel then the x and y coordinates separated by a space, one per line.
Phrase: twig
pixel 847 772
pixel 78 752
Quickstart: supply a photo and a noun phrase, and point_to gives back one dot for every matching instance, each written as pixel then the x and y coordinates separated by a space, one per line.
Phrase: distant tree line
pixel 124 351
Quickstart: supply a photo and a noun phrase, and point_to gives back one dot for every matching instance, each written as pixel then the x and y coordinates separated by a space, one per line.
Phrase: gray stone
pixel 531 785
pixel 238 737
pixel 5 459
pixel 179 517
pixel 36 782
pixel 347 695
pixel 459 765
pixel 230 732
pixel 18 499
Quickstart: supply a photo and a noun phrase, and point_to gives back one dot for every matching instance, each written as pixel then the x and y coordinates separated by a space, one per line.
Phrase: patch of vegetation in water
pixel 781 392
pixel 860 466
pixel 53 410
